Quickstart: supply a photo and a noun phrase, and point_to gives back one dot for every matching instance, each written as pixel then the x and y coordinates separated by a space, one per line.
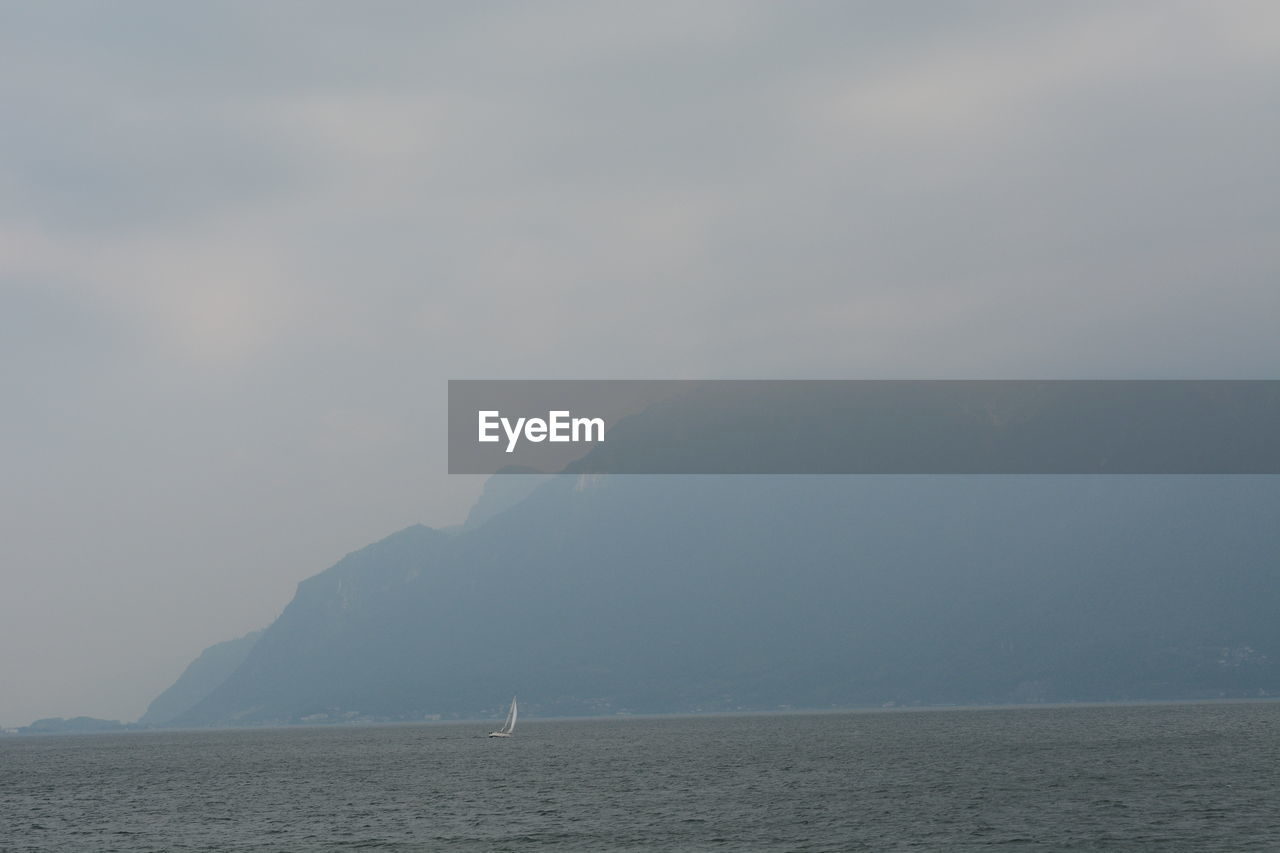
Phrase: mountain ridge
pixel 650 594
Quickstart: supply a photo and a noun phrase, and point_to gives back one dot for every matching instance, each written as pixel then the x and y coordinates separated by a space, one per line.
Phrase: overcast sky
pixel 243 245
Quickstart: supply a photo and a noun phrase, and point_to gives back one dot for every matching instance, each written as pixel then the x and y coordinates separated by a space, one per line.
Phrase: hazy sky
pixel 243 245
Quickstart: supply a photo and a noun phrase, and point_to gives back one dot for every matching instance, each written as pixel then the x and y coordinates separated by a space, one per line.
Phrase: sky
pixel 244 245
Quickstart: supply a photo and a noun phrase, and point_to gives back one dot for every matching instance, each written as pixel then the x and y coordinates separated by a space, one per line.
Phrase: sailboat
pixel 509 727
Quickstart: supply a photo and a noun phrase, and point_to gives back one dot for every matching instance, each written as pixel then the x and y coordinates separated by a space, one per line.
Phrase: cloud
pixel 559 166
pixel 242 245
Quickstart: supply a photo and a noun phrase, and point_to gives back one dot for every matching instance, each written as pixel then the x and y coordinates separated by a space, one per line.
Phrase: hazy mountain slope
pixel 501 492
pixel 671 594
pixel 216 663
pixel 199 679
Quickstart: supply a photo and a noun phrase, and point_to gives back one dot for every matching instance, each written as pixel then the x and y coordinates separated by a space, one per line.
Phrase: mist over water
pixel 1169 777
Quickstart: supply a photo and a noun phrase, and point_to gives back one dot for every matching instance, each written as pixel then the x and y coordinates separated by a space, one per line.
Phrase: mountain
pixel 605 594
pixel 75 725
pixel 587 593
pixel 501 492
pixel 198 680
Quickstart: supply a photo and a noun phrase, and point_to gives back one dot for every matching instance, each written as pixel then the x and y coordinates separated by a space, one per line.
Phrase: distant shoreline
pixel 135 729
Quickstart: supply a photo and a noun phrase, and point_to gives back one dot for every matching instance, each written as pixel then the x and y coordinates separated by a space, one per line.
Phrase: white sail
pixel 509 725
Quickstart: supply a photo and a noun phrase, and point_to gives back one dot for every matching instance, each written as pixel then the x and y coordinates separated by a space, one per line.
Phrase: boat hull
pixel 499 734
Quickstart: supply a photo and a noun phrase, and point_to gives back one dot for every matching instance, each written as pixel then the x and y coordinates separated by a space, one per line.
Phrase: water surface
pixel 1170 777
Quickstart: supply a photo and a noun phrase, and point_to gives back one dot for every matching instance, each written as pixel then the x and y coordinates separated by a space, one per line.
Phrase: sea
pixel 1195 777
